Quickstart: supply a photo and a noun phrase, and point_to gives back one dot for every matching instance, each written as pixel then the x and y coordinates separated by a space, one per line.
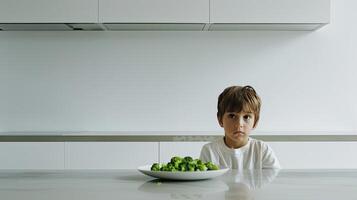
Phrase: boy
pixel 238 113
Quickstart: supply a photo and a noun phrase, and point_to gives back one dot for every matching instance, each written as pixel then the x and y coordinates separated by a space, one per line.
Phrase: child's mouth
pixel 238 133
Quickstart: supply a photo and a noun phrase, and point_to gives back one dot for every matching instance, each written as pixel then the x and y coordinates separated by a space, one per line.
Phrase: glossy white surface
pixel 130 184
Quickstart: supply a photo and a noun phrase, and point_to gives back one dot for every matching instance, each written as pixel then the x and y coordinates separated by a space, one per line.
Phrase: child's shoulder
pixel 258 144
pixel 256 141
pixel 214 144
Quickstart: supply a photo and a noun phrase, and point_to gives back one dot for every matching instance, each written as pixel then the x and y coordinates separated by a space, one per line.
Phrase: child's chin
pixel 238 139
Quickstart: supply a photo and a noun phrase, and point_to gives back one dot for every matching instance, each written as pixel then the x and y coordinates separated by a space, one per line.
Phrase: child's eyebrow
pixel 240 112
pixel 249 113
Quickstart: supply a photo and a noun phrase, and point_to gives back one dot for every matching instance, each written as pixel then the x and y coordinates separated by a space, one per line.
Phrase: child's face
pixel 237 126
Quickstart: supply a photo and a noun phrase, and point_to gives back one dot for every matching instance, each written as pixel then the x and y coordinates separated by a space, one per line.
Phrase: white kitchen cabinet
pixel 32 155
pixel 250 13
pixel 109 155
pixel 170 149
pixel 154 11
pixel 48 11
pixel 315 155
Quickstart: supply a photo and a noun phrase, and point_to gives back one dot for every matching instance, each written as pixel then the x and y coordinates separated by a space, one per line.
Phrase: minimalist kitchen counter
pixel 131 184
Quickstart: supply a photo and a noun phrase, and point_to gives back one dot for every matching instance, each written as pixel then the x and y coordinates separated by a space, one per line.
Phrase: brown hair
pixel 238 98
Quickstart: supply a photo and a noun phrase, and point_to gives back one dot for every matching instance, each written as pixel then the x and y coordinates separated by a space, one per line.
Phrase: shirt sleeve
pixel 205 155
pixel 269 160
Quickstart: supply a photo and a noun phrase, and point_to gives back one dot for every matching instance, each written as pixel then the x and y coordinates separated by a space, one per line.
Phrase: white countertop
pixel 131 184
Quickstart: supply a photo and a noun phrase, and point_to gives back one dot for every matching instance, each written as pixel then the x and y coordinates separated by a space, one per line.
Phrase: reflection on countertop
pixel 242 184
pixel 234 185
pixel 184 189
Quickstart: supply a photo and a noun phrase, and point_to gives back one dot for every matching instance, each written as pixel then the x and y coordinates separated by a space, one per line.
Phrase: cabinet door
pixel 154 11
pixel 31 155
pixel 269 11
pixel 48 11
pixel 182 149
pixel 110 155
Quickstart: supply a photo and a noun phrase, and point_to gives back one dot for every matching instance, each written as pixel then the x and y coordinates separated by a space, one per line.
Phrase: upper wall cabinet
pixel 181 15
pixel 148 14
pixel 48 11
pixel 269 14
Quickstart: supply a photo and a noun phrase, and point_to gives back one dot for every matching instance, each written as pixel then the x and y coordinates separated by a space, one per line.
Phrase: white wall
pixel 169 81
pixel 160 81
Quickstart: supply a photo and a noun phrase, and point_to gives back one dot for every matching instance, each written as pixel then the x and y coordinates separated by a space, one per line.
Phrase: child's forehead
pixel 240 112
pixel 239 109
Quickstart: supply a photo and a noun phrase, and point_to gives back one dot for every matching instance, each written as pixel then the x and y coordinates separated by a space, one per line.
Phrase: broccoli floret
pixel 182 167
pixel 163 167
pixel 186 164
pixel 191 167
pixel 194 163
pixel 211 166
pixel 156 167
pixel 176 161
pixel 198 161
pixel 170 167
pixel 202 167
pixel 187 159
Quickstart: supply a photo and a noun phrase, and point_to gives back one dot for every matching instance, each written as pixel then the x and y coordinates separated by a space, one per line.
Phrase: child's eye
pixel 247 117
pixel 232 116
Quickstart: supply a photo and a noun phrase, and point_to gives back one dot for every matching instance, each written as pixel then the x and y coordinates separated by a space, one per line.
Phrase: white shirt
pixel 254 155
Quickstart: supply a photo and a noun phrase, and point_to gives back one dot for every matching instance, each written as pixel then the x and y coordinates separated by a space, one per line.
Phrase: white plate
pixel 197 175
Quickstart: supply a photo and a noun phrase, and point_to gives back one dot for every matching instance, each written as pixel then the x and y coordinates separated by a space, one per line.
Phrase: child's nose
pixel 240 122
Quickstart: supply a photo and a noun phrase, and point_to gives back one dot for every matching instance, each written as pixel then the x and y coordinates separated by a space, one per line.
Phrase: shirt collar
pixel 236 151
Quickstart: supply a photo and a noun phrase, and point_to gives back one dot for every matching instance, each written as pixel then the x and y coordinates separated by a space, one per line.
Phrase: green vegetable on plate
pixel 186 164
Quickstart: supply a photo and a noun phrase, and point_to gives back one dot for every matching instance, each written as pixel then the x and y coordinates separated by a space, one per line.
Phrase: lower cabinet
pixel 130 155
pixel 77 155
pixel 170 149
pixel 109 155
pixel 32 155
pixel 315 155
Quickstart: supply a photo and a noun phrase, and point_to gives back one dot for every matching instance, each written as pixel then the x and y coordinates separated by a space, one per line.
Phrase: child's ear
pixel 255 125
